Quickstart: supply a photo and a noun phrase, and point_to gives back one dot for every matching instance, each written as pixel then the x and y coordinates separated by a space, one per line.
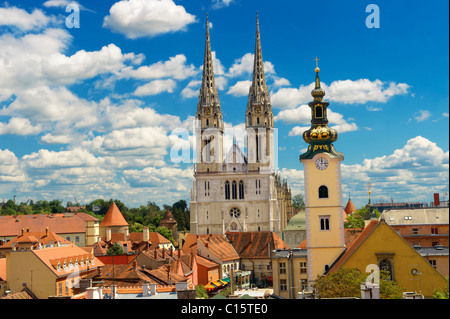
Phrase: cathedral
pixel 233 191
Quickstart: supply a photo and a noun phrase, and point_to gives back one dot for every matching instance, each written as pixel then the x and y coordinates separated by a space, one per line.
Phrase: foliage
pixel 165 233
pixel 200 292
pixel 298 203
pixel 356 220
pixel 227 291
pixel 115 250
pixel 441 294
pixel 346 283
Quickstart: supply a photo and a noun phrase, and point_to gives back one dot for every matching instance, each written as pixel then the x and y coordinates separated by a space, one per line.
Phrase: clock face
pixel 321 163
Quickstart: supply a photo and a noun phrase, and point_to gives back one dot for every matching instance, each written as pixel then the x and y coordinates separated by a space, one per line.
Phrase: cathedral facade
pixel 234 191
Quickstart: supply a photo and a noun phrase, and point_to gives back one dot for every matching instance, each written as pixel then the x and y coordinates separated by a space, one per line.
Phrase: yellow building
pixel 290 275
pixel 380 247
pixel 49 272
pixel 323 195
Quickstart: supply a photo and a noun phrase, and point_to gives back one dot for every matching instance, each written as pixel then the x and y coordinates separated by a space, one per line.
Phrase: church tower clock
pixel 323 196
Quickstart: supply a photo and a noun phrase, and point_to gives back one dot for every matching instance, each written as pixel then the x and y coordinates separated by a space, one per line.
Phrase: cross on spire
pixel 317 64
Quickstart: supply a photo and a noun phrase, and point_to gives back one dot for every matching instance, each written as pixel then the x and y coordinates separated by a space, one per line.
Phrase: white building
pixel 233 191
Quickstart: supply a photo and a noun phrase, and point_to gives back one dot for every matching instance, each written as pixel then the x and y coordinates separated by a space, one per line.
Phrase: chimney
pixel 145 290
pixel 127 234
pixel 23 230
pixel 46 231
pixel 108 234
pixel 171 252
pixel 163 253
pixel 437 202
pixel 134 264
pixel 179 253
pixel 146 234
pixel 153 289
pixel 155 254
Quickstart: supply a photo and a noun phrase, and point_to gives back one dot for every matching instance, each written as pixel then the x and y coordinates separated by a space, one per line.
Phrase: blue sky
pixel 90 112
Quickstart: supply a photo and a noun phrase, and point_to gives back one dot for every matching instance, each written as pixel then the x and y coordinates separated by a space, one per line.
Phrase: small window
pixel 415 231
pixel 303 268
pixel 434 231
pixel 323 191
pixel 325 223
pixel 282 268
pixel 283 285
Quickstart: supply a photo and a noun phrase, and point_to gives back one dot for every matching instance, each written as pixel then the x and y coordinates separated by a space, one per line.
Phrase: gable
pixel 381 242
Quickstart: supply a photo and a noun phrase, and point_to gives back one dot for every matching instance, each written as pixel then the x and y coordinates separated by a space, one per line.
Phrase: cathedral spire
pixel 208 92
pixel 259 98
pixel 208 107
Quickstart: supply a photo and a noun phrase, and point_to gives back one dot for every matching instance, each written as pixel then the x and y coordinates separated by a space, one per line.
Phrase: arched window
pixel 234 190
pixel 241 190
pixel 227 190
pixel 319 112
pixel 323 191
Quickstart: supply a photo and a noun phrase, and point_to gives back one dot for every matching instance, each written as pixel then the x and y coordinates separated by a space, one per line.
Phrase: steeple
pixel 259 109
pixel 319 136
pixel 208 100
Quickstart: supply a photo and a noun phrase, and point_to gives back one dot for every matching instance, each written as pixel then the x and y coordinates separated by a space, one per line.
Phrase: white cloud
pixel 279 82
pixel 175 68
pixel 191 89
pixel 422 115
pixel 343 91
pixel 140 18
pixel 156 87
pixel 241 88
pixel 244 65
pixel 10 170
pixel 12 16
pixel 219 4
pixel 19 126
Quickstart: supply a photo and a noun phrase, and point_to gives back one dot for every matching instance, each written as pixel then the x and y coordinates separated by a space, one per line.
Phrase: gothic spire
pixel 208 92
pixel 259 97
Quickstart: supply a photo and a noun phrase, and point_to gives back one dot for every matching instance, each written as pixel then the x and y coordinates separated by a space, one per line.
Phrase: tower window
pixel 207 122
pixel 227 190
pixel 323 191
pixel 319 111
pixel 241 190
pixel 325 223
pixel 234 190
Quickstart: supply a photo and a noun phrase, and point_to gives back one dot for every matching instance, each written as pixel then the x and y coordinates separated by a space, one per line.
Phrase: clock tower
pixel 323 196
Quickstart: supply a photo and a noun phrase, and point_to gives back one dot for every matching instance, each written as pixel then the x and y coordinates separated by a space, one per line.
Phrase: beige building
pixel 290 273
pixel 234 191
pixel 295 232
pixel 49 272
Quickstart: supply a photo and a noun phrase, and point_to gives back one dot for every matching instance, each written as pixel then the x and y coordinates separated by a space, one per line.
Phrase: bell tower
pixel 209 120
pixel 323 194
pixel 259 123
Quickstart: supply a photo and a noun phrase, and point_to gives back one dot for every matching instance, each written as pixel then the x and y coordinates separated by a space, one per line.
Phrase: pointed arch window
pixel 227 190
pixel 241 190
pixel 234 190
pixel 323 191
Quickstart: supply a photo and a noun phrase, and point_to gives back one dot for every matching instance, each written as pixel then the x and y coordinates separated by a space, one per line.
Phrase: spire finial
pixel 317 65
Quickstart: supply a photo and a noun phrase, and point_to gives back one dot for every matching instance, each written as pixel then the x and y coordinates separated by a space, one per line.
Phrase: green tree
pixel 165 233
pixel 441 293
pixel 115 250
pixel 346 283
pixel 356 220
pixel 200 292
pixel 298 203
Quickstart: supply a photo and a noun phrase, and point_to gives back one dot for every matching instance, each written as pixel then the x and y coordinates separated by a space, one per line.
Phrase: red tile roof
pixel 42 237
pixel 350 208
pixel 58 223
pixel 255 244
pixel 216 244
pixel 113 217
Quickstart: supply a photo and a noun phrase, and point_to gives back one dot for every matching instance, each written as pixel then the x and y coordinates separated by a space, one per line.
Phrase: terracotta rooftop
pixel 350 207
pixel 255 244
pixel 216 244
pixel 71 255
pixel 113 217
pixel 168 218
pixel 41 237
pixel 58 223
